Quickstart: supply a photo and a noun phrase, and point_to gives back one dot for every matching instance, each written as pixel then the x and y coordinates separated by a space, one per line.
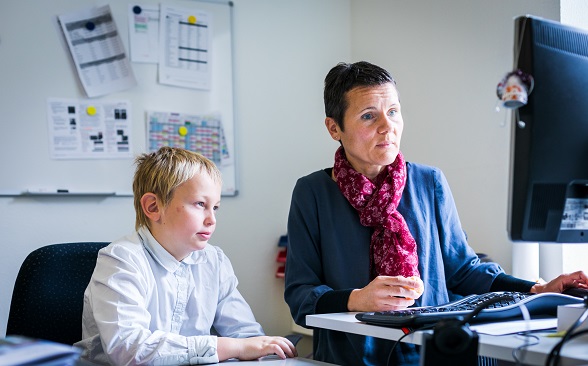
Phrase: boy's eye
pixel 215 208
pixel 201 204
pixel 392 112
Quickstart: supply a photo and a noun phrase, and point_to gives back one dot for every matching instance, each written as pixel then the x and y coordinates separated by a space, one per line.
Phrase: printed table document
pixel 97 51
pixel 185 41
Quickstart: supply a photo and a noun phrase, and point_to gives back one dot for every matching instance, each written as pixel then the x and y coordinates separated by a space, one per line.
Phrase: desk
pixel 276 361
pixel 574 353
pixel 264 361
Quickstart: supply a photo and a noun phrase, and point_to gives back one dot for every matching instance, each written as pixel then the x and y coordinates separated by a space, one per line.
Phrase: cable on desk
pixel 555 354
pixel 519 360
pixel 523 348
pixel 464 321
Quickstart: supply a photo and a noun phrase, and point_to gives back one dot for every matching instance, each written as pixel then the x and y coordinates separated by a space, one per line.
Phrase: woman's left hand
pixel 563 282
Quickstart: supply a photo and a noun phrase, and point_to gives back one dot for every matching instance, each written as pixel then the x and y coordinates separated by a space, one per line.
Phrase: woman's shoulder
pixel 425 175
pixel 318 176
pixel 417 169
pixel 316 186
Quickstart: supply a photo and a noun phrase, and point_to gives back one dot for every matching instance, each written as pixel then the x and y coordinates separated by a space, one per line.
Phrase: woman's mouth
pixel 386 144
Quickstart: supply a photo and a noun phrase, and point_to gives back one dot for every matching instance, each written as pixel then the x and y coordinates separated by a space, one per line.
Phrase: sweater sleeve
pixel 504 282
pixel 333 302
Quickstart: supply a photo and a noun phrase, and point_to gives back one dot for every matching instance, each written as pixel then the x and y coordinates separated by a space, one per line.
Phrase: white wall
pixel 447 56
pixel 282 51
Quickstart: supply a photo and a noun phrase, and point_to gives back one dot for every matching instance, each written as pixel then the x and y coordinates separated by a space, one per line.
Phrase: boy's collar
pixel 163 257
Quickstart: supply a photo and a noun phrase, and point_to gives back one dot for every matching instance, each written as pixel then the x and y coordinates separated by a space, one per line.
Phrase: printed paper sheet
pixel 85 129
pixel 185 41
pixel 97 51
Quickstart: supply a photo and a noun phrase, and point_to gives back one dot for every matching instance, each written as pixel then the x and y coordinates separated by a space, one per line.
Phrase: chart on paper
pixel 185 47
pixel 97 51
pixel 202 134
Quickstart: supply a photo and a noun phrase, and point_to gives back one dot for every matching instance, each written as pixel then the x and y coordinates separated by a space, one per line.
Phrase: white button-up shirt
pixel 143 307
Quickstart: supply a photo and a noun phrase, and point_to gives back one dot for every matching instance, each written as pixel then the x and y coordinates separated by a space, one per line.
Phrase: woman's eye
pixel 392 112
pixel 367 116
pixel 201 204
pixel 215 208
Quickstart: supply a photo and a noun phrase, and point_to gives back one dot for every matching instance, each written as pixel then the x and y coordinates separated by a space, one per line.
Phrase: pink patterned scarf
pixel 393 249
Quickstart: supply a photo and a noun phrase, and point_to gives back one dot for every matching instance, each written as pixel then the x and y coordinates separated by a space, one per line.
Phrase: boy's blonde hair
pixel 162 171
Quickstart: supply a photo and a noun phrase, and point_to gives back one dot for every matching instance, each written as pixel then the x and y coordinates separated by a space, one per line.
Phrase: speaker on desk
pixel 452 343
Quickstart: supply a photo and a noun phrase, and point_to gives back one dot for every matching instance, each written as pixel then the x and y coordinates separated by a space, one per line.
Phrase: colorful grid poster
pixel 200 133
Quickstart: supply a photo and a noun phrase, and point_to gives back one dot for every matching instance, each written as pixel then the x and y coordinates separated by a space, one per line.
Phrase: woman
pixel 362 233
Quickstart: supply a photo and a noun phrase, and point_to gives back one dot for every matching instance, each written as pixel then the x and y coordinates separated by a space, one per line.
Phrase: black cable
pixel 394 346
pixel 481 306
pixel 505 296
pixel 484 304
pixel 574 335
pixel 578 333
pixel 554 356
pixel 401 338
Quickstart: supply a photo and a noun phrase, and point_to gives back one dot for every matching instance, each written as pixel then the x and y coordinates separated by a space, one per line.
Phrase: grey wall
pixel 447 57
pixel 282 51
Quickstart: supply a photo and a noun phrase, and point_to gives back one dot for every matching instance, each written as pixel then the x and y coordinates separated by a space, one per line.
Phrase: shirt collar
pixel 163 257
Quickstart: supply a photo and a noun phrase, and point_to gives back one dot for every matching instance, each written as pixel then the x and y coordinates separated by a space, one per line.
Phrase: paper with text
pixel 185 43
pixel 144 33
pixel 97 51
pixel 85 129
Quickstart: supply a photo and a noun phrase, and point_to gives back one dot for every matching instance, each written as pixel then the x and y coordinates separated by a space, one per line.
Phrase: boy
pixel 155 294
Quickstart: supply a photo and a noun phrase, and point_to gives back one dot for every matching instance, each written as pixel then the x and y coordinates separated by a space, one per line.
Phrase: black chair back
pixel 48 295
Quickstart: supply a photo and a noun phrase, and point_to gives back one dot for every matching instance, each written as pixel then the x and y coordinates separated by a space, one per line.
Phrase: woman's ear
pixel 333 128
pixel 150 206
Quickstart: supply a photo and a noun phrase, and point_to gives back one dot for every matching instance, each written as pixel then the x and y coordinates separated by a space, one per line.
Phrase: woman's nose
pixel 387 124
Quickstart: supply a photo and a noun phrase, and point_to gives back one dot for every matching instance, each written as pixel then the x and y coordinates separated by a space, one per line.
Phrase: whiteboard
pixel 36 66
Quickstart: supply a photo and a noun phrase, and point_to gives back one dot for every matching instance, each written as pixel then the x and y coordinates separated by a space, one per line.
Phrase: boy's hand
pixel 254 347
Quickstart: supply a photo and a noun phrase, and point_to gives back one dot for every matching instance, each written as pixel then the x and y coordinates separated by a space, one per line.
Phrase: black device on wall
pixel 548 188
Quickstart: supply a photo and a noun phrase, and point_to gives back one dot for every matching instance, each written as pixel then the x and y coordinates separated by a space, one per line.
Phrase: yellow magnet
pixel 91 110
pixel 192 19
pixel 183 131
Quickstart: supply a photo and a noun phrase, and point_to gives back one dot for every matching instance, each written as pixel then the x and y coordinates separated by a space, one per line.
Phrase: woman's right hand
pixel 386 293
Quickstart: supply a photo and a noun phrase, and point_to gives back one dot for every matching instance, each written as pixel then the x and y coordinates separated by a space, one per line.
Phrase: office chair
pixel 48 295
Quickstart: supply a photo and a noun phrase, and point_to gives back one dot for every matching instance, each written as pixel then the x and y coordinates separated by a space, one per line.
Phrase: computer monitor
pixel 548 187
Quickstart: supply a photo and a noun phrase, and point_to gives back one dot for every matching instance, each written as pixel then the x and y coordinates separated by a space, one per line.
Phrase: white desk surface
pixel 574 353
pixel 276 361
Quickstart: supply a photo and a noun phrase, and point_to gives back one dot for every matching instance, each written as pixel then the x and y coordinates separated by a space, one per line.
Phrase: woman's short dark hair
pixel 344 77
